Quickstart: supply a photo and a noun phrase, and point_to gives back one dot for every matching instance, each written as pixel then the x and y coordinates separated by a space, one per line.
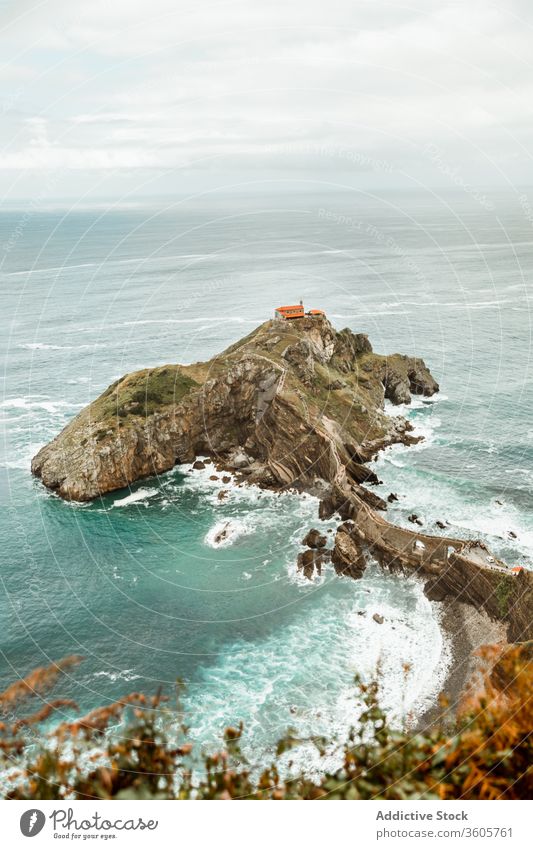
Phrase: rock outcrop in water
pixel 292 404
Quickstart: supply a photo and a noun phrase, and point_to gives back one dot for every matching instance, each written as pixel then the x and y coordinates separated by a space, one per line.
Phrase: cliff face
pixel 507 598
pixel 294 403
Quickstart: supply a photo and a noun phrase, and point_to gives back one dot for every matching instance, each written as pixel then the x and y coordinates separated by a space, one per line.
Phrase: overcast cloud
pixel 142 96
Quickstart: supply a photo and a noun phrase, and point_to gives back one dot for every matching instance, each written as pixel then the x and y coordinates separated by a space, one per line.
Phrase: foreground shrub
pixel 487 756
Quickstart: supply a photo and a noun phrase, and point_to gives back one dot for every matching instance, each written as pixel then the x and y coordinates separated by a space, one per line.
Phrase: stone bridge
pixel 461 569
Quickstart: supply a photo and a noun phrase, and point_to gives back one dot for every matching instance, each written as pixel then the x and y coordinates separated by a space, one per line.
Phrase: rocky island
pixel 295 404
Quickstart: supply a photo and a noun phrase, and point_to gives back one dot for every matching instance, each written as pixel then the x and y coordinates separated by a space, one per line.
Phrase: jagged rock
pixel 403 375
pixel 311 561
pixel 371 498
pixel 302 356
pixel 416 520
pixel 263 476
pixel 360 473
pixel 378 618
pixel 327 507
pixel 213 477
pixel 222 534
pixel 396 389
pixel 222 494
pixel 392 497
pixel 440 525
pixel 421 382
pixel 435 592
pixel 358 453
pixel 348 349
pixel 239 460
pixel 347 555
pixel 266 392
pixel 272 342
pixel 314 539
pixel 473 576
pixel 226 479
pixel 198 464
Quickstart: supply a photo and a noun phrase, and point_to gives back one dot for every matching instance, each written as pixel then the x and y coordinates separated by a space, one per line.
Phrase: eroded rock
pixel 314 539
pixel 311 560
pixel 347 556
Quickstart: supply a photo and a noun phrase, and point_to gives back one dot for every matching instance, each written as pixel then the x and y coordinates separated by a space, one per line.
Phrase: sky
pixel 132 98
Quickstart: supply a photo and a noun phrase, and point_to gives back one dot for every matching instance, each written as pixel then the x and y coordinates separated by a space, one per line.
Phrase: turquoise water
pixel 133 581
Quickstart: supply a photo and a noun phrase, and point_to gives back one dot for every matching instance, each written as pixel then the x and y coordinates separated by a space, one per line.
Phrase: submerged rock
pixel 415 520
pixel 223 534
pixel 310 562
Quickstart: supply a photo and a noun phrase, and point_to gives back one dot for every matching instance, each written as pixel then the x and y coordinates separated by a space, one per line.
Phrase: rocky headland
pixel 295 404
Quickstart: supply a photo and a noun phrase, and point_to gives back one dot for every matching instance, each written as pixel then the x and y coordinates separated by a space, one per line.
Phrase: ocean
pixel 135 581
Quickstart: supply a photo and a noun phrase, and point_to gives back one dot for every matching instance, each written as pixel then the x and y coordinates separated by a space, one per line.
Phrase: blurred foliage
pixel 488 755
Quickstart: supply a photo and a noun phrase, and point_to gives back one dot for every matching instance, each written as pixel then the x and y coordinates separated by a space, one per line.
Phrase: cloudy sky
pixel 139 97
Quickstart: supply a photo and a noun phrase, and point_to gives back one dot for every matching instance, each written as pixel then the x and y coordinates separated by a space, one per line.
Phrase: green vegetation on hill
pixel 143 393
